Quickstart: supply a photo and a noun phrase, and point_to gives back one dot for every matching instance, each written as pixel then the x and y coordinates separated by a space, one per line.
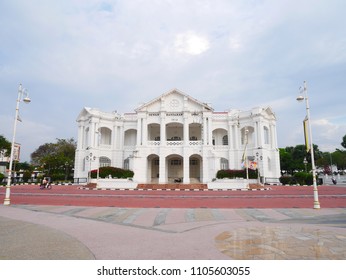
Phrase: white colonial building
pixel 176 137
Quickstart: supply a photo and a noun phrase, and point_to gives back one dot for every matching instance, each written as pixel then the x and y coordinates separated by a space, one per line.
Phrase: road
pixel 274 197
pixel 71 223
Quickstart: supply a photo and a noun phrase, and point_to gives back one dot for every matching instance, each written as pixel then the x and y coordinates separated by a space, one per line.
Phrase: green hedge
pixel 301 178
pixel 2 176
pixel 115 172
pixel 233 173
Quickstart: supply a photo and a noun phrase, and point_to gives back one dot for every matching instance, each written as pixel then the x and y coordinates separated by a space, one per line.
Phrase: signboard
pixel 16 152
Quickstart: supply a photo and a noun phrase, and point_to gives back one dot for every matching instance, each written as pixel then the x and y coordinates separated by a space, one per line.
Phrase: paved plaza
pixel 80 232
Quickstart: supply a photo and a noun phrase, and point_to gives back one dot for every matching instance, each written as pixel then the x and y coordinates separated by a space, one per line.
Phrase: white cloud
pixel 328 134
pixel 191 43
pixel 233 54
pixel 235 44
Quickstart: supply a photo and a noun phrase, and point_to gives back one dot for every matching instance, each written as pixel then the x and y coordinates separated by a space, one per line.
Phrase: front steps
pixel 176 186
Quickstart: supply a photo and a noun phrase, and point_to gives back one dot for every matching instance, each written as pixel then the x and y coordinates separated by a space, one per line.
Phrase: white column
pixel 121 137
pixel 275 139
pixel 237 147
pixel 206 178
pixel 114 137
pixel 210 131
pixel 230 146
pixel 92 134
pixel 186 179
pixel 80 140
pixel 256 134
pixel 186 130
pixel 204 131
pixel 272 136
pixel 97 135
pixel 162 172
pixel 236 137
pixel 163 130
pixel 260 134
pixel 145 132
pixel 139 131
pixel 230 134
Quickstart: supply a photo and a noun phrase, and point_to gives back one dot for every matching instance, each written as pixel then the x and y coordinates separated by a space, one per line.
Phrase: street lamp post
pixel 22 96
pixel 258 159
pixel 246 158
pixel 90 158
pixel 302 98
pixel 305 163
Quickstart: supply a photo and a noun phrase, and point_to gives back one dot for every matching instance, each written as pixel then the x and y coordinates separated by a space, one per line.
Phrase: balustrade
pixel 175 143
pixel 154 143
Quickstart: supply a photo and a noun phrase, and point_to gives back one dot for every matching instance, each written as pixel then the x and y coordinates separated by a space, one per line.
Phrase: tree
pixel 56 159
pixel 339 159
pixel 343 143
pixel 292 158
pixel 285 159
pixel 5 145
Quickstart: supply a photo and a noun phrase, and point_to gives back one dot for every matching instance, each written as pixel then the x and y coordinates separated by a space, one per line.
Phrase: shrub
pixel 304 178
pixel 301 177
pixel 286 180
pixel 234 173
pixel 58 176
pixel 26 176
pixel 309 179
pixel 2 176
pixel 115 172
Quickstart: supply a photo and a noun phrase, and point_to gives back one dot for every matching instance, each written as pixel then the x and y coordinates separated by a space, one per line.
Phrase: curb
pixel 169 190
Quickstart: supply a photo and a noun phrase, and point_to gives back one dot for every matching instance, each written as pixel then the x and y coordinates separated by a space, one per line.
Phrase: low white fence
pixel 114 183
pixel 327 179
pixel 231 184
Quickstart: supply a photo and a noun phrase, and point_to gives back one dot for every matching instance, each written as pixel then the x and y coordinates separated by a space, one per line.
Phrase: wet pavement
pixel 83 232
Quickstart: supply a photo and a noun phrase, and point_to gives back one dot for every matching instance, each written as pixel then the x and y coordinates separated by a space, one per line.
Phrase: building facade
pixel 177 138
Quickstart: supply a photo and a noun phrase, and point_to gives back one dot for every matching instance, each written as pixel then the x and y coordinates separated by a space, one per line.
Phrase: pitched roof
pixel 174 91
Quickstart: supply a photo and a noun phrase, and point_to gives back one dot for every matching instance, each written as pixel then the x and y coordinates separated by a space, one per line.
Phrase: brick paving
pixel 71 223
pixel 82 232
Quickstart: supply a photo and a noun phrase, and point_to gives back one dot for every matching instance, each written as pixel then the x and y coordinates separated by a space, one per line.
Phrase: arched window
pixel 266 135
pixel 130 138
pixel 127 164
pixel 247 135
pixel 86 138
pixel 225 140
pixel 105 161
pixel 224 164
pixel 106 136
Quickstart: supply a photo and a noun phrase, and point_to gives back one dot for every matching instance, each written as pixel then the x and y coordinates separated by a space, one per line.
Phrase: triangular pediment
pixel 270 112
pixel 174 101
pixel 87 113
pixel 84 114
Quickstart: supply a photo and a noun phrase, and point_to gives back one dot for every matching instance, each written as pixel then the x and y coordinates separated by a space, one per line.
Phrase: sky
pixel 116 55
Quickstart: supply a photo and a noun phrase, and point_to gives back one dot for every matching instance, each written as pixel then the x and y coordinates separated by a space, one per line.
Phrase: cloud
pixel 191 43
pixel 328 134
pixel 116 54
pixel 29 134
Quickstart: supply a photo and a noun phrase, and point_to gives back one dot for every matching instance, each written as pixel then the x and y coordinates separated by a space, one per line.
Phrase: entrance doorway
pixel 195 168
pixel 153 169
pixel 175 164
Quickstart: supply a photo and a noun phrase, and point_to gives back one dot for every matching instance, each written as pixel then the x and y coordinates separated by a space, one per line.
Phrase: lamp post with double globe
pixel 301 98
pixel 22 96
